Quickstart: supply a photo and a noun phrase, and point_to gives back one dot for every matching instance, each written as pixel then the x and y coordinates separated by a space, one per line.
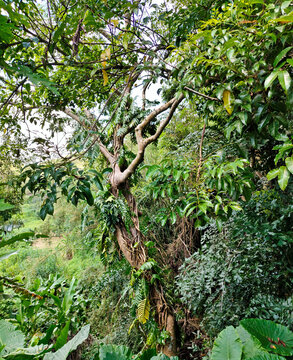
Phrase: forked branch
pixel 143 143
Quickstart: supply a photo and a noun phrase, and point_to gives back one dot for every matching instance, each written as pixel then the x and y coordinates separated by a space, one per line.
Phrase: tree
pixel 84 63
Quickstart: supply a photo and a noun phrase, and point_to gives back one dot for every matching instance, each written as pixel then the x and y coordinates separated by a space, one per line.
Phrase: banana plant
pixel 121 352
pixel 12 345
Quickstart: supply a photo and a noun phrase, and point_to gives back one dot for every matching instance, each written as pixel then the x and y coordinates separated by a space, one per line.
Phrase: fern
pixel 143 310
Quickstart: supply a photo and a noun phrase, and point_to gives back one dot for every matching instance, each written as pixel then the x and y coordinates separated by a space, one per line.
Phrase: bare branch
pixel 165 121
pixel 200 94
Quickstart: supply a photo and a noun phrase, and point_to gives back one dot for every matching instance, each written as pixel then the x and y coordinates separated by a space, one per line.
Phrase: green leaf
pixel 147 354
pixel 271 78
pixel 284 80
pixel 227 345
pixel 19 237
pixel 114 352
pixel 62 338
pixel 283 177
pixel 272 174
pixel 10 337
pixel 273 337
pixel 45 340
pixel 266 356
pixel 58 32
pixel 243 117
pixel 37 78
pixel 280 56
pixel 235 206
pixel 43 212
pixel 289 164
pixel 285 18
pixel 251 345
pixel 5 206
pixel 219 224
pixel 88 194
pixel 152 170
pixel 63 353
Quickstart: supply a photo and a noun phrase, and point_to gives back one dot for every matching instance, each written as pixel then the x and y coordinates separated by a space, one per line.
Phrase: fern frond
pixel 143 311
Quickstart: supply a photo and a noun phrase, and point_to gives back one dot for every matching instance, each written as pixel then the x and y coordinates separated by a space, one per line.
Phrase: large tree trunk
pixel 136 256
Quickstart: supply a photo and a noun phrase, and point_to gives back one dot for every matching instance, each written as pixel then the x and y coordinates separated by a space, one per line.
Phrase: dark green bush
pixel 246 270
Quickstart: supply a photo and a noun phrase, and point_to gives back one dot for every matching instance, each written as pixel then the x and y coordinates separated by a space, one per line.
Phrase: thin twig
pixel 200 94
pixel 200 152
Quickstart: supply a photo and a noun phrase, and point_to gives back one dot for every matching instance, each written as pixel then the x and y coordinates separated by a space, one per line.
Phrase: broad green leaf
pixel 63 353
pixel 147 354
pixel 31 353
pixel 227 345
pixel 283 177
pixel 289 164
pixel 11 338
pixel 281 55
pixel 114 352
pixel 284 80
pixel 271 78
pixel 251 345
pixel 273 337
pixel 267 356
pixel 243 117
pixel 227 99
pixel 272 174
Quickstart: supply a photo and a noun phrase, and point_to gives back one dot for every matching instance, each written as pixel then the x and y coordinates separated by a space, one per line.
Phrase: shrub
pixel 244 271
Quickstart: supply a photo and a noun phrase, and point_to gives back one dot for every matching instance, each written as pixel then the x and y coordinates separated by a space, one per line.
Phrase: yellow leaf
pixel 105 77
pixel 227 98
pixel 143 311
pixel 104 56
pixel 115 22
pixel 108 53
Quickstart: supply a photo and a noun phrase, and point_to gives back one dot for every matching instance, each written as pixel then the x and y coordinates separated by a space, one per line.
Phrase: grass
pixel 30 217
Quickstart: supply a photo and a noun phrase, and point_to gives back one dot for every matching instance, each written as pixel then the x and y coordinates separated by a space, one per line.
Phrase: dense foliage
pixel 155 142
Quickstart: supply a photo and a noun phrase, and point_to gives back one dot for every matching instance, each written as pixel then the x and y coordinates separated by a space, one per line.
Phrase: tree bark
pixel 137 256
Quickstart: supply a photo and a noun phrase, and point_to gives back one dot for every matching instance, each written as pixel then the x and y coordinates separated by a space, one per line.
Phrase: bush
pixel 244 271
